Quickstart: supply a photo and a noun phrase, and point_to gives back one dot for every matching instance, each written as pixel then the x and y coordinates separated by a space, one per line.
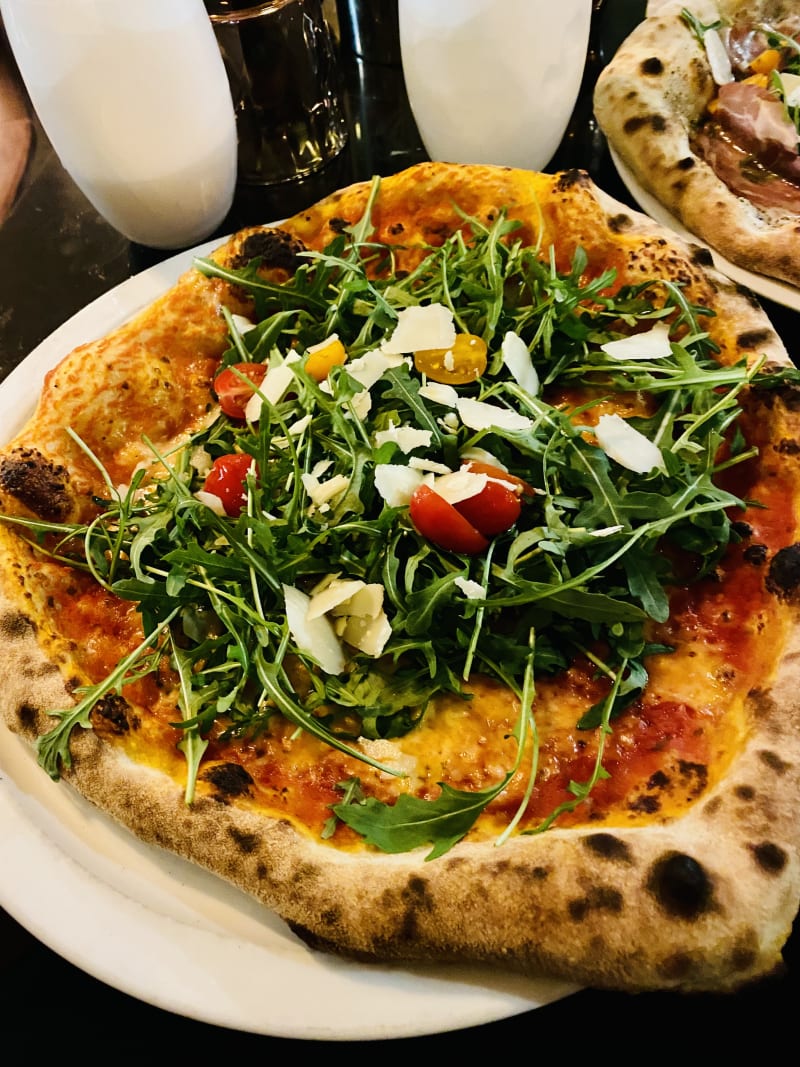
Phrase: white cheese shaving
pixel 439 393
pixel 471 590
pixel 201 460
pixel 420 328
pixel 368 635
pixel 428 465
pixel 624 444
pixel 406 438
pixel 459 485
pixel 322 492
pixel 320 345
pixel 370 368
pixel 242 324
pixel 396 483
pixel 338 592
pixel 520 365
pixel 718 58
pixel 274 386
pixel 315 637
pixel 212 501
pixel 650 344
pixel 791 89
pixel 480 415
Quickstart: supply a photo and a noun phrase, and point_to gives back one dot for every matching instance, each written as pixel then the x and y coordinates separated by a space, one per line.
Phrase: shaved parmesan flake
pixel 315 637
pixel 360 405
pixel 791 89
pixel 321 492
pixel 479 415
pixel 459 485
pixel 624 444
pixel 438 393
pixel 396 483
pixel 273 388
pixel 366 602
pixel 652 344
pixel 520 365
pixel 321 345
pixel 368 635
pixel 387 753
pixel 406 438
pixel 242 324
pixel 420 328
pixel 428 465
pixel 201 460
pixel 480 455
pixel 606 531
pixel 212 501
pixel 717 58
pixel 471 590
pixel 371 367
pixel 338 592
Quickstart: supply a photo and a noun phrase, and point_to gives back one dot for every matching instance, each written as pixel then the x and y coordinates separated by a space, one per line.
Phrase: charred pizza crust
pixel 648 99
pixel 716 889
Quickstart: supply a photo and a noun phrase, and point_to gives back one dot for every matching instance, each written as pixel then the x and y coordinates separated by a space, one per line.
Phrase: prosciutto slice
pixel 752 146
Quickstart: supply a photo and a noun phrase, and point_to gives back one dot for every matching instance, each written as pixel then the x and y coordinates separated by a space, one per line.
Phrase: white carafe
pixel 493 81
pixel 134 98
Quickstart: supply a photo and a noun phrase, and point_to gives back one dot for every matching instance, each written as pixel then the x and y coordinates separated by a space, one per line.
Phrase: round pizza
pixel 427 567
pixel 701 103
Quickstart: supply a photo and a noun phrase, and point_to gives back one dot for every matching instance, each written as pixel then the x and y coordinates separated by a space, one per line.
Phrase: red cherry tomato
pixel 233 393
pixel 226 480
pixel 493 510
pixel 442 525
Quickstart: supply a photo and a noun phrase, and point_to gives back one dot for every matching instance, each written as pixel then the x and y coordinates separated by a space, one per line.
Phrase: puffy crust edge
pixel 646 110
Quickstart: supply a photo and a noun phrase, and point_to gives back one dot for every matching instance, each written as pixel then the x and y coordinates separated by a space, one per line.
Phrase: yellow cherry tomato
pixel 464 362
pixel 323 356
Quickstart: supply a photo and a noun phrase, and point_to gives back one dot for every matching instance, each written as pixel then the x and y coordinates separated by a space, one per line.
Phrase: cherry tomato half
pixel 226 480
pixel 232 392
pixel 493 510
pixel 442 525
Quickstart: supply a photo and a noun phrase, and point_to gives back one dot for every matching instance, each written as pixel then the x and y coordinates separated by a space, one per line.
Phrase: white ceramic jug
pixel 493 81
pixel 136 103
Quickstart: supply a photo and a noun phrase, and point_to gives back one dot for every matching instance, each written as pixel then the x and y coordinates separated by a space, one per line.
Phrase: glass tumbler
pixel 283 70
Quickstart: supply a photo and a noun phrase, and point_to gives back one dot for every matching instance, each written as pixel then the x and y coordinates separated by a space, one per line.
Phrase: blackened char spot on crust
pixel 681 886
pixel 566 179
pixel 117 714
pixel 754 339
pixel 701 256
pixel 277 249
pixel 598 898
pixel 609 846
pixel 620 222
pixel 687 163
pixel 741 529
pixel 338 225
pixel 787 447
pixel 36 482
pixel 229 779
pixel 332 948
pixel 773 761
pixel 14 626
pixel 770 857
pixel 27 715
pixel 694 775
pixel 246 843
pixel 783 579
pixel 396 229
pixel 652 65
pixel 656 124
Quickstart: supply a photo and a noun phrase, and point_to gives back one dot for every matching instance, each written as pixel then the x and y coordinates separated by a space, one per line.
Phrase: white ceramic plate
pixel 770 288
pixel 164 931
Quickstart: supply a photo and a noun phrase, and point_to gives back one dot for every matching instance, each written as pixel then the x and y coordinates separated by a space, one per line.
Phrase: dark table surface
pixel 57 255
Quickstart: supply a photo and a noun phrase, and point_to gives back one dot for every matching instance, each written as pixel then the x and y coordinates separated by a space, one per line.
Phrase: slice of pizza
pixel 701 102
pixel 428 568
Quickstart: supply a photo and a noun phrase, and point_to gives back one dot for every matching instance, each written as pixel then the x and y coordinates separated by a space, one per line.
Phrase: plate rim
pixel 779 292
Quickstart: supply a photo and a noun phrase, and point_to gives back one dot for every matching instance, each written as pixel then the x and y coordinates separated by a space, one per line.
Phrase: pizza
pixel 427 567
pixel 701 103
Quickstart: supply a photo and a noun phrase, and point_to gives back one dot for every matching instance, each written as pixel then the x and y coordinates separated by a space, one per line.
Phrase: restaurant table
pixel 56 256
